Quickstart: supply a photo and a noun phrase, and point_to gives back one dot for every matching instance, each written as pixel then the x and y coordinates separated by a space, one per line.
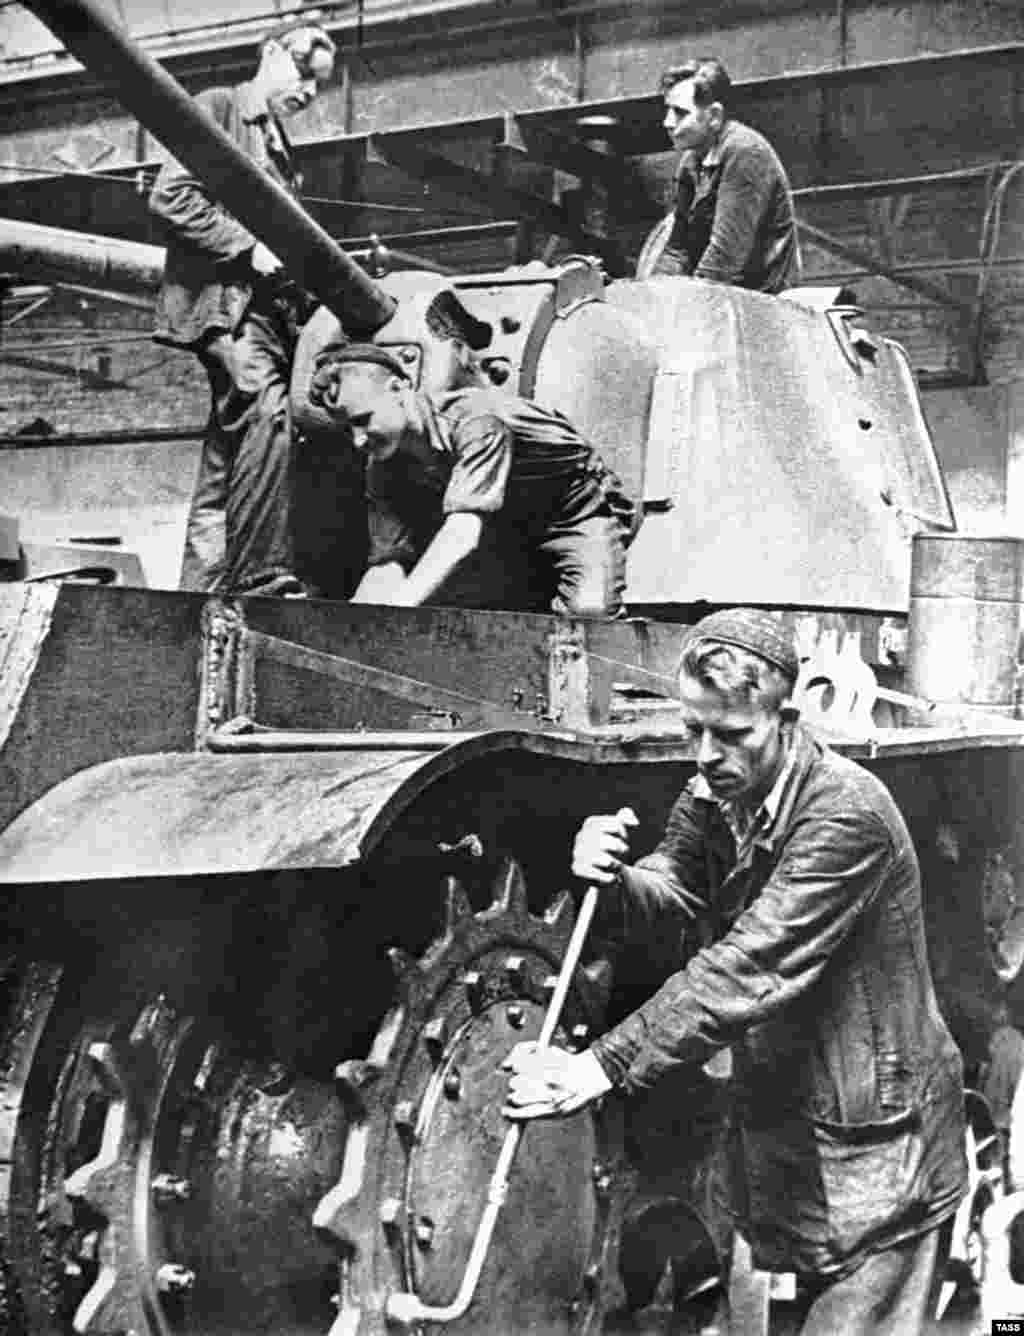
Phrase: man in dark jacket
pixel 450 475
pixel 788 878
pixel 733 219
pixel 224 298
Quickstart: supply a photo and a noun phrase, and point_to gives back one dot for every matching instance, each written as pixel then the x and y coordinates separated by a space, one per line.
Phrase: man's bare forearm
pixel 451 545
pixel 380 584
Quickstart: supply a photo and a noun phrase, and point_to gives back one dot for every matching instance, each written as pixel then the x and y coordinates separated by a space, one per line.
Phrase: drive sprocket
pixel 426 1127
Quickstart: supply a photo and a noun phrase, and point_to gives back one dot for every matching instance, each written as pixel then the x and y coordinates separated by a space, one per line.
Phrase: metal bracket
pixel 226 686
pixel 568 677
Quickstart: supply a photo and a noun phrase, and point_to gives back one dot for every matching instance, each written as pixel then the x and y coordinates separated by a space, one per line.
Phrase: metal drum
pixel 966 598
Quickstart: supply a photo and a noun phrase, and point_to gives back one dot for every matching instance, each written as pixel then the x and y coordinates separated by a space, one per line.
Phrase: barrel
pixel 966 600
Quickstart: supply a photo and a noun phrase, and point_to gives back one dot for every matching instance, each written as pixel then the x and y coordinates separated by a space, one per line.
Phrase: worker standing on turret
pixel 224 297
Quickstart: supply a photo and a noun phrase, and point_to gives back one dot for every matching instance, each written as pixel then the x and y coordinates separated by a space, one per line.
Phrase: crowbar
pixel 406 1309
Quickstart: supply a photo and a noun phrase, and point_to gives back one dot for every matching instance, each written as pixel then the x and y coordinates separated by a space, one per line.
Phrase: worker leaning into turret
pixel 225 298
pixel 448 476
pixel 733 219
pixel 787 890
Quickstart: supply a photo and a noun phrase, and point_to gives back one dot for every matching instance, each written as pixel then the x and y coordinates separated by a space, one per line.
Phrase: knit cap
pixel 762 633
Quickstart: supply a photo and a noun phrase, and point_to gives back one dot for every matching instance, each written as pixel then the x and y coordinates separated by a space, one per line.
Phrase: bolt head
pixel 473 983
pixel 170 1188
pixel 435 1036
pixel 391 1213
pixel 513 968
pixel 602 1179
pixel 173 1278
pixel 453 1083
pixel 405 1119
pixel 515 1015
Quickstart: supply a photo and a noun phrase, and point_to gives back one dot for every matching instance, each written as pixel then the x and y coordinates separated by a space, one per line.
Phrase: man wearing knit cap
pixel 450 476
pixel 787 878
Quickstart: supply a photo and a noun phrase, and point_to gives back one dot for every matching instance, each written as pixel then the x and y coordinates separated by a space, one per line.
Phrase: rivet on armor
pixel 515 1015
pixel 602 1179
pixel 391 1215
pixel 405 1119
pixel 435 1036
pixel 172 1278
pixel 424 1232
pixel 170 1188
pixel 352 1077
pixel 579 1036
pixel 453 1083
pixel 473 983
pixel 513 968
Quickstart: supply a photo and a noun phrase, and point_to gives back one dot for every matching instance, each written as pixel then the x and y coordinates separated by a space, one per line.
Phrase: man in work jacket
pixel 225 299
pixel 788 878
pixel 450 474
pixel 733 219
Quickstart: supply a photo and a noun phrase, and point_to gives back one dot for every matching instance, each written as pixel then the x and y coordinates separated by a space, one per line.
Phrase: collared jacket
pixel 208 276
pixel 734 218
pixel 807 957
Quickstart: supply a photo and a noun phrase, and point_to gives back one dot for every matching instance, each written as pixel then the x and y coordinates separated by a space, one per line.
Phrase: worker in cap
pixel 781 914
pixel 475 482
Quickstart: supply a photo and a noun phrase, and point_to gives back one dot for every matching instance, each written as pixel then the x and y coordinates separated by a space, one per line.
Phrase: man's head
pixel 696 100
pixel 368 392
pixel 736 678
pixel 296 60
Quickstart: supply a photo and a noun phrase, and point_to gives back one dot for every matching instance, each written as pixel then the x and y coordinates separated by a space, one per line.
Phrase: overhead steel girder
pixel 399 151
pixel 858 255
pixel 528 135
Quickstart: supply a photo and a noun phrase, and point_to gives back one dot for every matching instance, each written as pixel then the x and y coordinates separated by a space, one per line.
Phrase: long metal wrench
pixel 407 1309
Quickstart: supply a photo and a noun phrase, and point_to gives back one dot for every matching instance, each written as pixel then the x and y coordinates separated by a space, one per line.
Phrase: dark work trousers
pixel 239 537
pixel 587 557
pixel 892 1293
pixel 588 564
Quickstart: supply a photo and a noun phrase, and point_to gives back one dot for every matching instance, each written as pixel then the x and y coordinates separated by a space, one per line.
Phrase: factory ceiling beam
pixel 874 264
pixel 529 136
pixel 840 192
pixel 465 182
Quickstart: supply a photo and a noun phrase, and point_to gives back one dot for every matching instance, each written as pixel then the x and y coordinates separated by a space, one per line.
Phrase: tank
pixel 284 881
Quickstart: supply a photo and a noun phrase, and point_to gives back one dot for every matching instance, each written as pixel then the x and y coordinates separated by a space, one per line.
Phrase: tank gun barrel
pixel 160 103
